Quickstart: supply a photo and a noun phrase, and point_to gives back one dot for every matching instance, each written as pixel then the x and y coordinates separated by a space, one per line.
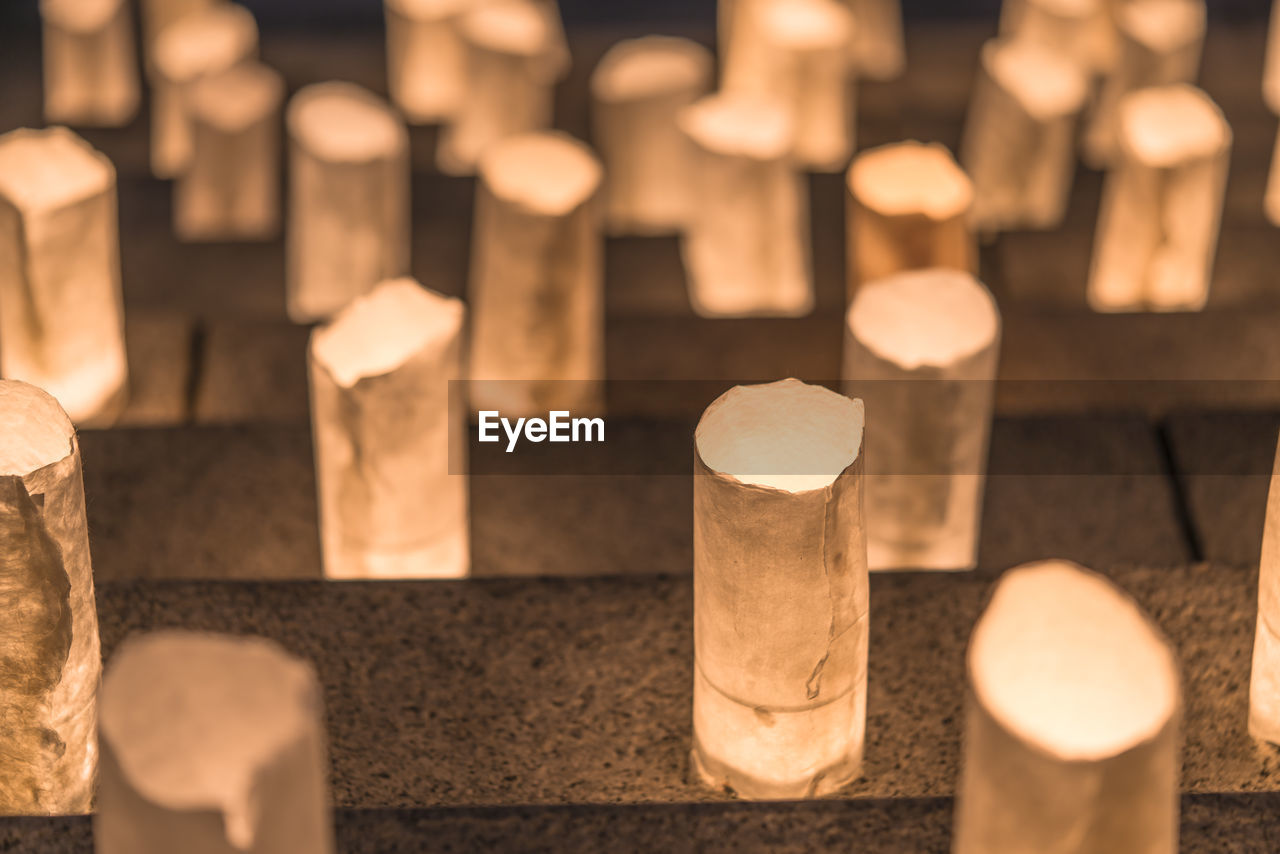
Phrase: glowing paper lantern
pixel 202 43
pixel 390 450
pixel 1271 69
pixel 230 189
pixel 49 657
pixel 1264 683
pixel 1158 43
pixel 746 250
pixel 808 71
pixel 61 314
pixel 780 592
pixel 921 349
pixel 426 64
pixel 1071 728
pixel 157 15
pixel 637 91
pixel 1271 203
pixel 90 73
pixel 1162 203
pixel 908 209
pixel 212 744
pixel 1080 31
pixel 537 278
pixel 348 223
pixel 510 50
pixel 1019 137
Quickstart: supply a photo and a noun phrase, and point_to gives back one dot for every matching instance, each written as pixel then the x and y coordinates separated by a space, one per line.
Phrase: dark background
pixel 652 13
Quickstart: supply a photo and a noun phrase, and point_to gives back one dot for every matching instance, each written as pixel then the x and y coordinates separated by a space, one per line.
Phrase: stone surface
pixel 201 503
pixel 239 501
pixel 252 371
pixel 211 743
pixel 158 347
pixel 1224 462
pixel 592 705
pixel 1211 824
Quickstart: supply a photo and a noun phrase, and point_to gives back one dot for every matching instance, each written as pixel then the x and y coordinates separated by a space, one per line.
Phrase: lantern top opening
pixel 35 430
pixel 911 178
pixel 1162 25
pixel 649 67
pixel 933 317
pixel 210 39
pixel 428 10
pixel 1167 125
pixel 738 125
pixel 786 435
pixel 383 329
pixel 43 169
pixel 192 718
pixel 545 171
pixel 1066 661
pixel 807 24
pixel 1045 83
pixel 1068 9
pixel 345 123
pixel 517 27
pixel 81 16
pixel 237 97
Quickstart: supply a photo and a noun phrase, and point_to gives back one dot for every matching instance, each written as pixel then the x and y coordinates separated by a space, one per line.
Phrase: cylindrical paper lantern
pixel 1158 43
pixel 230 189
pixel 810 73
pixel 1019 137
pixel 49 633
pixel 509 47
pixel 746 250
pixel 211 744
pixel 1071 728
pixel 921 349
pixel 61 311
pixel 780 592
pixel 537 278
pixel 157 15
pixel 205 42
pixel 1161 203
pixel 348 224
pixel 90 72
pixel 908 208
pixel 426 64
pixel 637 91
pixel 391 503
pixel 1264 682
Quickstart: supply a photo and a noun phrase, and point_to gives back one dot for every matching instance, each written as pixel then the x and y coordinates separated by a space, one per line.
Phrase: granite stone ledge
pixel 158 348
pixel 185 502
pixel 553 691
pixel 239 502
pixel 253 371
pixel 1210 824
pixel 1051 362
